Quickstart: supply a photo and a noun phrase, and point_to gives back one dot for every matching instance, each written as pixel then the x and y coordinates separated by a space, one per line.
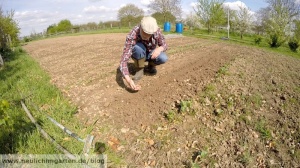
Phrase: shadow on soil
pixel 120 80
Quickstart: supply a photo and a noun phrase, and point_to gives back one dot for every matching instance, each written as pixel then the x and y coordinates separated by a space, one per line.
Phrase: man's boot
pixel 151 69
pixel 139 66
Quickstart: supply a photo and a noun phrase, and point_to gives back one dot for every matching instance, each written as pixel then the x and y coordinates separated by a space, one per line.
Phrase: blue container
pixel 167 26
pixel 179 27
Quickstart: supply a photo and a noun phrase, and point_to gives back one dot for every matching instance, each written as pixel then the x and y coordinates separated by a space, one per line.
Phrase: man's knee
pixel 139 51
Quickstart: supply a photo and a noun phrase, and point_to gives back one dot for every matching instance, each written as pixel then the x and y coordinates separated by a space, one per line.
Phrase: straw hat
pixel 149 25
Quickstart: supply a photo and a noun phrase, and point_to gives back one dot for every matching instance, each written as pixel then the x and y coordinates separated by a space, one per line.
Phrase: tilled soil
pixel 212 104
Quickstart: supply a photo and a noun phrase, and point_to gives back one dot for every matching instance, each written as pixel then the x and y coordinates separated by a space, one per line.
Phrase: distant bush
pixel 275 40
pixel 294 45
pixel 27 39
pixel 257 39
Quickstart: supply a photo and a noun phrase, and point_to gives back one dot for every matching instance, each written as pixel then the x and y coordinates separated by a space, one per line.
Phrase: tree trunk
pixel 1 61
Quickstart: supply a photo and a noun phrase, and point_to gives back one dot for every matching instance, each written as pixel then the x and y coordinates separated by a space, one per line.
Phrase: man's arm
pixel 161 41
pixel 127 51
pixel 162 45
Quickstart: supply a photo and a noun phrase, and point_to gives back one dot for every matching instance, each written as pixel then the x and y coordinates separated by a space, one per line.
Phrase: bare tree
pixel 260 22
pixel 210 12
pixel 244 19
pixel 165 6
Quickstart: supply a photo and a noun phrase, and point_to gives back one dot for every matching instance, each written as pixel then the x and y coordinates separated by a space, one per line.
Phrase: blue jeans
pixel 139 52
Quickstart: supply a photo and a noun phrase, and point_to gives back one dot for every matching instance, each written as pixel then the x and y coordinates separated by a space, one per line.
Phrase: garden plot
pixel 210 100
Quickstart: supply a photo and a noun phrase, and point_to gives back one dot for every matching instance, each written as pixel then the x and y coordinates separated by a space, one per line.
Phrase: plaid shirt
pixel 132 38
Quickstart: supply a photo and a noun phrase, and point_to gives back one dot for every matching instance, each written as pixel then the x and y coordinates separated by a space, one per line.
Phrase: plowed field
pixel 212 104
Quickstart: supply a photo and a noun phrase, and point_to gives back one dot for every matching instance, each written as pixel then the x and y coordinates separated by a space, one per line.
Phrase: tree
pixel 292 7
pixel 130 14
pixel 210 12
pixel 160 18
pixel 9 30
pixel 165 7
pixel 294 41
pixel 64 26
pixel 280 17
pixel 297 30
pixel 52 29
pixel 92 26
pixel 260 23
pixel 130 10
pixel 243 19
pixel 192 21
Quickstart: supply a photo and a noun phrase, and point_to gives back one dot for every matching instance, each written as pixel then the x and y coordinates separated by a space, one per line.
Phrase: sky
pixel 34 16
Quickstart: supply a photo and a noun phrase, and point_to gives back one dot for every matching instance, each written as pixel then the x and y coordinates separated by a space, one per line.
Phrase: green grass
pixel 223 71
pixel 171 115
pixel 22 78
pixel 99 31
pixel 248 40
pixel 261 127
pixel 185 106
pixel 245 158
pixel 255 100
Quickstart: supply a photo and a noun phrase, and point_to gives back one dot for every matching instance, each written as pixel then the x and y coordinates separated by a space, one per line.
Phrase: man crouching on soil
pixel 144 43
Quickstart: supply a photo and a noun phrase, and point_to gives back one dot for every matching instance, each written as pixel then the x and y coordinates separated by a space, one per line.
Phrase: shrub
pixel 27 39
pixel 4 118
pixel 294 45
pixel 275 40
pixel 257 39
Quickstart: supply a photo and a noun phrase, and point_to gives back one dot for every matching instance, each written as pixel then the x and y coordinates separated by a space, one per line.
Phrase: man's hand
pixel 156 52
pixel 131 83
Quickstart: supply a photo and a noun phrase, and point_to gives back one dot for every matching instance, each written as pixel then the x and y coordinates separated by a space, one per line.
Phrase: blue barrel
pixel 179 27
pixel 167 26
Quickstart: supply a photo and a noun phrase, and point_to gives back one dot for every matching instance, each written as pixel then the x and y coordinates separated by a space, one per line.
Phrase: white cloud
pixel 235 5
pixel 122 5
pixel 146 2
pixel 193 4
pixel 97 9
pixel 36 16
pixel 38 21
pixel 95 0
